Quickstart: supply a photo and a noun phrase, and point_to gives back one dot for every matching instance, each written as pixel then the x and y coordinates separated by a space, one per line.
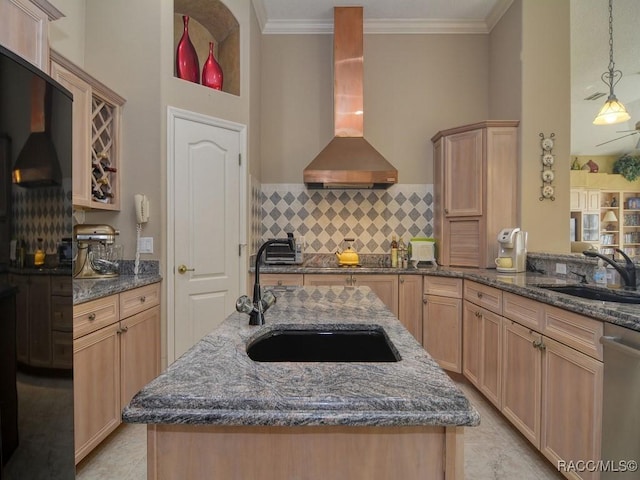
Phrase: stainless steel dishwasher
pixel 621 402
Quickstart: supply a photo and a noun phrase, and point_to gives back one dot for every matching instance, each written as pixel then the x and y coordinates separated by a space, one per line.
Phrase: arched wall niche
pixel 211 21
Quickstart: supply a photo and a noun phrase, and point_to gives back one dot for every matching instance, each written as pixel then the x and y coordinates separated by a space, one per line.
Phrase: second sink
pixel 593 293
pixel 323 345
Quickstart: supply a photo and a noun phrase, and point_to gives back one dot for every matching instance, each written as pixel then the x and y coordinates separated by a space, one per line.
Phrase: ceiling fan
pixel 633 132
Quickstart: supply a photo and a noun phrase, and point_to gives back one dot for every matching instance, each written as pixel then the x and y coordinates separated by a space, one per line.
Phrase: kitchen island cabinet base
pixel 310 452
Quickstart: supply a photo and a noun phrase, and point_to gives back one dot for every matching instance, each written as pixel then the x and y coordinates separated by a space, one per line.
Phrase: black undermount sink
pixel 593 293
pixel 323 345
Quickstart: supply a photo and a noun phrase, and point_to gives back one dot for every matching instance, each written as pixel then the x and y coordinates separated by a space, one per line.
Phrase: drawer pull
pixel 91 316
pixel 479 294
pixel 279 283
pixel 123 329
pixel 143 299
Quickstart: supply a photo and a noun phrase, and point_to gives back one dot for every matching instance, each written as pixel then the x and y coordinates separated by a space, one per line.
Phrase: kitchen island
pixel 215 413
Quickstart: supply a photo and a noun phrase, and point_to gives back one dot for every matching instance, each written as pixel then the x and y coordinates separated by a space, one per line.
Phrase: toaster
pixel 422 250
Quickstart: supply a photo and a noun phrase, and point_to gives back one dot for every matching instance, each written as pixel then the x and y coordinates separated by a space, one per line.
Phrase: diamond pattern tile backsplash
pixel 41 213
pixel 326 217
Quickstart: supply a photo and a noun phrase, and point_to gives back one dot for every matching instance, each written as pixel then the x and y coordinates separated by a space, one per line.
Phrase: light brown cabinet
pixel 482 339
pixel 116 351
pixel 552 380
pixel 96 160
pixel 410 304
pixel 24 29
pixel 442 321
pixel 43 320
pixel 475 180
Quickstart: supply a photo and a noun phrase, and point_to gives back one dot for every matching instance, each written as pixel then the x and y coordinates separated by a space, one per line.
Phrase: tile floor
pixel 493 451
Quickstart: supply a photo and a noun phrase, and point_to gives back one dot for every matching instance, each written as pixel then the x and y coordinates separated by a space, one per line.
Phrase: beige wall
pixel 414 85
pixel 546 93
pixel 66 34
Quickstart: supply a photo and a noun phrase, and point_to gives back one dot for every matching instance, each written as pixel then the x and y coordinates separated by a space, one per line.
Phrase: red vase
pixel 211 72
pixel 187 66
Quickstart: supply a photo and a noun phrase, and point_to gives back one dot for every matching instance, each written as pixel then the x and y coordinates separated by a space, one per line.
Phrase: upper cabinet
pixel 97 112
pixel 24 29
pixel 475 179
pixel 211 22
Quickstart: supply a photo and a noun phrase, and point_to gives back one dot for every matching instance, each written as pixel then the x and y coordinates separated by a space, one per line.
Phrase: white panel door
pixel 206 257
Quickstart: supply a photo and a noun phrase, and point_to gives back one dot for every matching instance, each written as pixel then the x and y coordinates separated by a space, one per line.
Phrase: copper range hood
pixel 349 161
pixel 37 163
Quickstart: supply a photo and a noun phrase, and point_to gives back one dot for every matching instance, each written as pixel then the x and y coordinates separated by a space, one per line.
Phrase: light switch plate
pixel 145 245
pixel 561 268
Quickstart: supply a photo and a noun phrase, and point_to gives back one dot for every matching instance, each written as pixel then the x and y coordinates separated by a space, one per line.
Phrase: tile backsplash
pixel 326 217
pixel 43 212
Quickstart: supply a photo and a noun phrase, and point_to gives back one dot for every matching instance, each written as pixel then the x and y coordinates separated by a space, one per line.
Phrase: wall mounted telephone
pixel 142 208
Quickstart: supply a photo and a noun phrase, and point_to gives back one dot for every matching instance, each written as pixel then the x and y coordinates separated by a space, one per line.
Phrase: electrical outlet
pixel 561 268
pixel 145 245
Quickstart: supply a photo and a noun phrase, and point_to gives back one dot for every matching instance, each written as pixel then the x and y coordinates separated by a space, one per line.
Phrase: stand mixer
pixel 97 256
pixel 512 250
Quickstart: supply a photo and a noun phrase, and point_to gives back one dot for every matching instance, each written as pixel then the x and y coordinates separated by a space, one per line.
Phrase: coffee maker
pixel 97 255
pixel 512 250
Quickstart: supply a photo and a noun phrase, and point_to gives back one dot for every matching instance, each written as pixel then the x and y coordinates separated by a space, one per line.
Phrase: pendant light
pixel 613 111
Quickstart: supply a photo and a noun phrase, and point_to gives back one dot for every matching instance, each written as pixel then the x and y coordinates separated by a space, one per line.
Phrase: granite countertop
pixel 85 290
pixel 525 284
pixel 216 383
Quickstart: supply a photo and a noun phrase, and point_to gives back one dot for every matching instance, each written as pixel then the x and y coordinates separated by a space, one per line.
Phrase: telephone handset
pixel 142 208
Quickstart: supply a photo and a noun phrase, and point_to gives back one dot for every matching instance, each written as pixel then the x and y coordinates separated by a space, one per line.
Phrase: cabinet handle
pixel 446 210
pixel 424 299
pixel 279 283
pixel 401 279
pixel 123 329
pixel 143 299
pixel 539 344
pixel 479 294
pixel 91 316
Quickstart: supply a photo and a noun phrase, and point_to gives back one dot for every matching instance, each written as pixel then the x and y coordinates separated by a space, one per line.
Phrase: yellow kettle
pixel 348 256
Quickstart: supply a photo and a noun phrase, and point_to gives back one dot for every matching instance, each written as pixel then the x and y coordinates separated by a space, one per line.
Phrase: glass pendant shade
pixel 612 112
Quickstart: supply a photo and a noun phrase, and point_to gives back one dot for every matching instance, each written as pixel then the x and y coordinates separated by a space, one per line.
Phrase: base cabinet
pixel 116 351
pixel 43 320
pixel 552 380
pixel 442 321
pixel 482 339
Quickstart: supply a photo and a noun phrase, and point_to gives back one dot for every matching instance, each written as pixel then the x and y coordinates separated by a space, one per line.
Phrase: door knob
pixel 182 269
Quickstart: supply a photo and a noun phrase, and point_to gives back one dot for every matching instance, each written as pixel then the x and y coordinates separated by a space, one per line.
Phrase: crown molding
pixel 419 26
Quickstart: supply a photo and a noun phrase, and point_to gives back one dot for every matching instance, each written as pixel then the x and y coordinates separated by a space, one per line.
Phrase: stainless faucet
pixel 256 307
pixel 627 273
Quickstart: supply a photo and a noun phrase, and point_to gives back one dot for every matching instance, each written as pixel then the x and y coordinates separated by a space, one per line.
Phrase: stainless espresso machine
pixel 97 255
pixel 512 250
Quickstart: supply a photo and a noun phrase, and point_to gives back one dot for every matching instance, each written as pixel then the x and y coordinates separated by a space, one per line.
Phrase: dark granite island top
pixel 216 389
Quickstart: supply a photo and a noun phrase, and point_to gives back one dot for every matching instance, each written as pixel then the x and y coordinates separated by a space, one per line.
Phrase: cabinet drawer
pixel 281 279
pixel 61 314
pixel 483 295
pixel 139 299
pixel 574 330
pixel 525 311
pixel 61 285
pixel 443 286
pixel 91 316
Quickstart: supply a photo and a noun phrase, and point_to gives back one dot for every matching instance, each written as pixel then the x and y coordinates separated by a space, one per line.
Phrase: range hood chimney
pixel 349 161
pixel 37 164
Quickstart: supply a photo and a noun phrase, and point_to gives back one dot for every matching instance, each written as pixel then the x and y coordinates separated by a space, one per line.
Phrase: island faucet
pixel 260 304
pixel 627 273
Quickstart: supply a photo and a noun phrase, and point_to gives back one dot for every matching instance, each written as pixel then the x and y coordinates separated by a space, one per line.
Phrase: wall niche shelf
pixel 211 21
